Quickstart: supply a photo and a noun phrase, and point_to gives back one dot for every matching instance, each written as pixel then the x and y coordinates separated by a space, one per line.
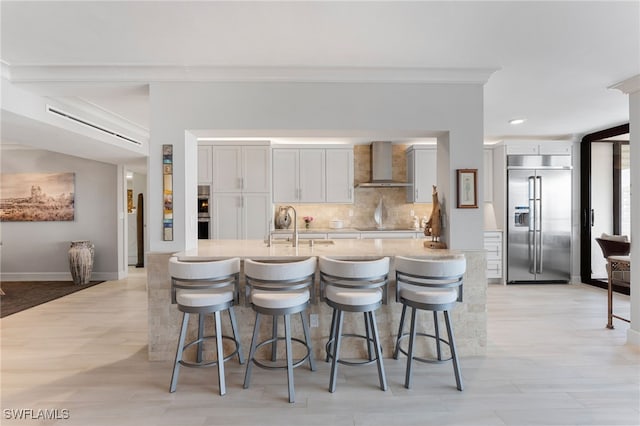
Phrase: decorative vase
pixel 307 225
pixel 81 254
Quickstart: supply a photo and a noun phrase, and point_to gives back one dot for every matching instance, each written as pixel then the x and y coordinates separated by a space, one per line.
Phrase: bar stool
pixel 354 286
pixel 205 288
pixel 431 285
pixel 280 289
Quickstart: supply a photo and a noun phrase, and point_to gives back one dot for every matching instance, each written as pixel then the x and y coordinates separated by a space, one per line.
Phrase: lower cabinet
pixel 493 246
pixel 240 216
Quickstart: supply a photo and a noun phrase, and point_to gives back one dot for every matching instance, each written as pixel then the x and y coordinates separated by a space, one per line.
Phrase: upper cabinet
pixel 298 175
pixel 422 173
pixel 241 168
pixel 538 147
pixel 204 164
pixel 339 175
pixel 313 175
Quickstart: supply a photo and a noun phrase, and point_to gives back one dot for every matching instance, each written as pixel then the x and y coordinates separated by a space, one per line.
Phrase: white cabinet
pixel 339 175
pixel 493 246
pixel 298 175
pixel 204 164
pixel 421 173
pixel 538 147
pixel 241 183
pixel 240 216
pixel 241 169
pixel 488 175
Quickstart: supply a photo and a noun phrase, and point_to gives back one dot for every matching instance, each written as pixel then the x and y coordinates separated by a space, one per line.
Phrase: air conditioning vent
pixel 84 122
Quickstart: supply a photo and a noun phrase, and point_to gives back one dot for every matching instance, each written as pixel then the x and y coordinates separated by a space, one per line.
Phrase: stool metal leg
pixel 454 354
pixel 220 354
pixel 252 352
pixel 376 339
pixel 412 338
pixel 400 328
pixel 176 365
pixel 236 334
pixel 368 334
pixel 200 334
pixel 287 336
pixel 274 344
pixel 336 352
pixel 307 340
pixel 436 328
pixel 332 334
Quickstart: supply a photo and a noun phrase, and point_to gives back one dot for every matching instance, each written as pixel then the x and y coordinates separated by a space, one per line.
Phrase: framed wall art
pixel 37 197
pixel 467 183
pixel 167 192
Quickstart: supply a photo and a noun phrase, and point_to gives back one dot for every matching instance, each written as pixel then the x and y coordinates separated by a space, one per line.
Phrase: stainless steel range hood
pixel 381 168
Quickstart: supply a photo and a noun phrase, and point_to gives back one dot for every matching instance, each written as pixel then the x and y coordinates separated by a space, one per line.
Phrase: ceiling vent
pixel 84 122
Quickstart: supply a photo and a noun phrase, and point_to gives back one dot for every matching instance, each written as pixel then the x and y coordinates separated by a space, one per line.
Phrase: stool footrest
pixel 329 345
pixel 208 363
pixel 427 360
pixel 275 364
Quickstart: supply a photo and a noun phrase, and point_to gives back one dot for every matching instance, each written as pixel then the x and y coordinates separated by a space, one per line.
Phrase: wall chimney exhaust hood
pixel 381 171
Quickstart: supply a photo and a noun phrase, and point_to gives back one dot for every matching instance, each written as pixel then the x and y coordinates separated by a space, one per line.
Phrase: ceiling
pixel 555 61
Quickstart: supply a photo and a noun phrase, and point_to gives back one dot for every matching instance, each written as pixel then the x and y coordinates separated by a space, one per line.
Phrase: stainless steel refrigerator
pixel 539 219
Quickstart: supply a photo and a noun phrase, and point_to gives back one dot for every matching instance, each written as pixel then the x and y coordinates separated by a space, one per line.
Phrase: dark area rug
pixel 21 295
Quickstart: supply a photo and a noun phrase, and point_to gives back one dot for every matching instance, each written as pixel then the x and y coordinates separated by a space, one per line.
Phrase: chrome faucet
pixel 295 225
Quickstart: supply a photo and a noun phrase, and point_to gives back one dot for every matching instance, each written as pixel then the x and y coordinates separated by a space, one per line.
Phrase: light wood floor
pixel 549 361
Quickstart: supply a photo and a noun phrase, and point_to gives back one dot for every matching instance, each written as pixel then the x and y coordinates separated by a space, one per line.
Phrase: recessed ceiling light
pixel 517 121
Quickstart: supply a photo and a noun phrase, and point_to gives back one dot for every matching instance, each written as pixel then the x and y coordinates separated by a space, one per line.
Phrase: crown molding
pixel 628 86
pixel 149 73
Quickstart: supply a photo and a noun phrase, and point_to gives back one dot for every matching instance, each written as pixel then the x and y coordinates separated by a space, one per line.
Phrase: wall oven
pixel 204 216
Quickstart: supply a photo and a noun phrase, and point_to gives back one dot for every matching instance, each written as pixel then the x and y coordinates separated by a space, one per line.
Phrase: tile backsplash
pixel 396 211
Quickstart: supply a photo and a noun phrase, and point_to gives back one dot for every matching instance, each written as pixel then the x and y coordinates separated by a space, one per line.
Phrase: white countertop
pixel 346 248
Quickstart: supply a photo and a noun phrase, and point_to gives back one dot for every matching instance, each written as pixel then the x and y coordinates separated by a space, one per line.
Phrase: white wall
pixel 333 109
pixel 38 250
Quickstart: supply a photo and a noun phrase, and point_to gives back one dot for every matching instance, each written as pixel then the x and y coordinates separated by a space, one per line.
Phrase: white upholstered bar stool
pixel 280 289
pixel 430 285
pixel 354 286
pixel 205 288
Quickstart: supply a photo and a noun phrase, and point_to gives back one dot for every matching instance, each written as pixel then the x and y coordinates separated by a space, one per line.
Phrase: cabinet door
pixel 226 223
pixel 227 169
pixel 256 215
pixel 311 186
pixel 285 175
pixel 205 161
pixel 555 148
pixel 411 176
pixel 488 175
pixel 339 173
pixel 256 169
pixel 425 174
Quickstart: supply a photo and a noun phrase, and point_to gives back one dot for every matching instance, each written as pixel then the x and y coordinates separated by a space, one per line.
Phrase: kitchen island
pixel 469 316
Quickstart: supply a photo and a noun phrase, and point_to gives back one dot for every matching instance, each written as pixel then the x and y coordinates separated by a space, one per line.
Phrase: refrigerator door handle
pixel 539 232
pixel 531 240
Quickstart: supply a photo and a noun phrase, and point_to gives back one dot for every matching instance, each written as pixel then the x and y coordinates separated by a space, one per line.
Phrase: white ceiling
pixel 555 61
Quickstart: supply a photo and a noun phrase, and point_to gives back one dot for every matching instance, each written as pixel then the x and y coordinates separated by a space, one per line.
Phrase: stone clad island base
pixel 469 317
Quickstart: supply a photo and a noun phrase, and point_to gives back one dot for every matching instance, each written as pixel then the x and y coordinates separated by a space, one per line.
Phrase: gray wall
pixel 38 250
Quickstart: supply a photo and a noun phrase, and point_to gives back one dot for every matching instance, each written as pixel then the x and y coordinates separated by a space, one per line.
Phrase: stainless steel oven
pixel 204 215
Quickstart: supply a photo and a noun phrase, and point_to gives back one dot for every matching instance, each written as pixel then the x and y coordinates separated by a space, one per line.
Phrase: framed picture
pixel 467 188
pixel 37 197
